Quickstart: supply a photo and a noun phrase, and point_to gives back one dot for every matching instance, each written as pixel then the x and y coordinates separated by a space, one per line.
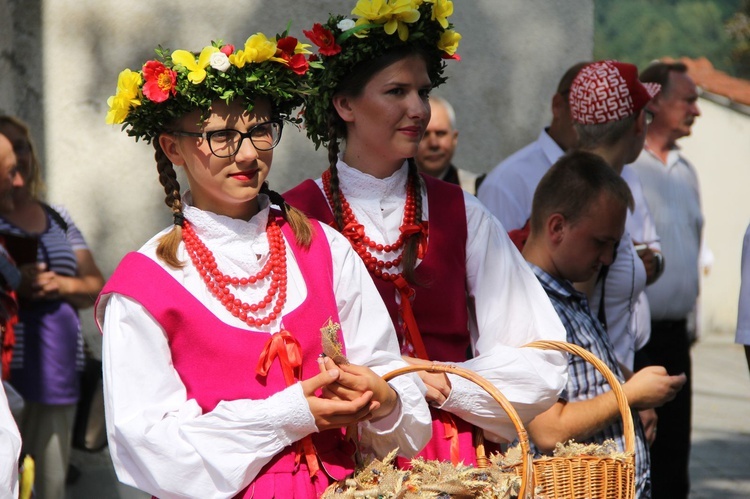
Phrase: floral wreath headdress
pixel 176 83
pixel 381 26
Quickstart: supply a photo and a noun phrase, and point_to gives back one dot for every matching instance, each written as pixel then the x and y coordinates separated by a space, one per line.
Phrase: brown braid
pixel 168 244
pixel 411 248
pixel 333 157
pixel 297 220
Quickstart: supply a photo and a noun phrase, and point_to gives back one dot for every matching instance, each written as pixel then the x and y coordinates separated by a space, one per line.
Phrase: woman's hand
pixel 38 283
pixel 355 380
pixel 336 413
pixel 438 385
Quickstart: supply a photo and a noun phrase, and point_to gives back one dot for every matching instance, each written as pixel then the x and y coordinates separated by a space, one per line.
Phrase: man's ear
pixel 640 126
pixel 556 227
pixel 168 143
pixel 343 106
pixel 558 103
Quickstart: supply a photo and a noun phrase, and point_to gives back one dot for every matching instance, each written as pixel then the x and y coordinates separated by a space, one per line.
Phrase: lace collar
pixel 232 240
pixel 359 185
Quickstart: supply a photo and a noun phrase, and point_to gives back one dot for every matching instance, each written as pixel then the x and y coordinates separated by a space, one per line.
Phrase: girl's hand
pixel 355 380
pixel 331 413
pixel 438 385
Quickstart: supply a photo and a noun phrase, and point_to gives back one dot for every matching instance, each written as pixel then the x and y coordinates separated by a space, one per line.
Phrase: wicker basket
pixel 574 477
pixel 523 469
pixel 589 477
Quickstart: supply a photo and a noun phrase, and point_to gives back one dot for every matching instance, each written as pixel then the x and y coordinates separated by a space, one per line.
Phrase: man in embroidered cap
pixel 508 189
pixel 608 106
pixel 670 185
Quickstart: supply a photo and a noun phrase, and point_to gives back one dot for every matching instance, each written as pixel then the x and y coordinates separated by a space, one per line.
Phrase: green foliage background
pixel 639 31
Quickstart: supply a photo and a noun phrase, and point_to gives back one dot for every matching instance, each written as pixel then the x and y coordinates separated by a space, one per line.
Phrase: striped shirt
pixel 584 380
pixel 57 247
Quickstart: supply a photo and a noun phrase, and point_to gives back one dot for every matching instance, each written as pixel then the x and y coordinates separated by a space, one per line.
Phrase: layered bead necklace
pixel 218 283
pixel 363 245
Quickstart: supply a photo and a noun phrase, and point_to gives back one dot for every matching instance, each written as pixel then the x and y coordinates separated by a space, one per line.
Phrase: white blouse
pixel 512 309
pixel 162 442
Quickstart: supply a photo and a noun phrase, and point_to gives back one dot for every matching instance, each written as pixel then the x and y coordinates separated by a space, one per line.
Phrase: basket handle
pixel 523 437
pixel 622 401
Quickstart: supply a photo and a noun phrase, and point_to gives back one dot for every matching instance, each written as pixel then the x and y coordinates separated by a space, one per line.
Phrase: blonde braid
pixel 297 220
pixel 169 242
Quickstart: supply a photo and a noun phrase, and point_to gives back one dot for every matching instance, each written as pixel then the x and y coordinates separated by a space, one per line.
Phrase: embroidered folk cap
pixel 607 91
pixel 378 27
pixel 175 83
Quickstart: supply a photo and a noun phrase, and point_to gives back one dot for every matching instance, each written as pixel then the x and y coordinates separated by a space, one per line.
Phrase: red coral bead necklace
pixel 219 283
pixel 363 245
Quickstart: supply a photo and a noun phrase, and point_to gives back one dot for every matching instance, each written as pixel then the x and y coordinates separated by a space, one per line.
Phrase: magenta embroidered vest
pixel 440 304
pixel 217 362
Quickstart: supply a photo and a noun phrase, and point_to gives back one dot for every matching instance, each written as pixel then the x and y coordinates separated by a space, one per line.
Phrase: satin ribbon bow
pixel 354 232
pixel 284 346
pixel 423 230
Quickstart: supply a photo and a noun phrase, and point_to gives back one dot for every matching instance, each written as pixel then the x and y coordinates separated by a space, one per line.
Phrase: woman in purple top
pixel 56 282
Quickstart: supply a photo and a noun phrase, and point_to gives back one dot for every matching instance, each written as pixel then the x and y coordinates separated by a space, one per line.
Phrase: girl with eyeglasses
pixel 214 385
pixel 454 285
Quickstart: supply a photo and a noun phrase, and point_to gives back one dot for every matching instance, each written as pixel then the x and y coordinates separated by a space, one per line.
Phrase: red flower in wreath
pixel 160 81
pixel 324 39
pixel 287 45
pixel 298 64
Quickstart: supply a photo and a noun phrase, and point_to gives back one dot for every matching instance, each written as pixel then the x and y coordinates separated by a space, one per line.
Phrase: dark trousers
pixel 669 346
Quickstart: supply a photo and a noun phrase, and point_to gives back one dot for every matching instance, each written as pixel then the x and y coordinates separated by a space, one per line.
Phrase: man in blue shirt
pixel 577 217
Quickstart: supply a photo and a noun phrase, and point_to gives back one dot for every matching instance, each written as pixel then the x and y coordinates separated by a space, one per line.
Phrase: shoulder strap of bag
pixel 59 220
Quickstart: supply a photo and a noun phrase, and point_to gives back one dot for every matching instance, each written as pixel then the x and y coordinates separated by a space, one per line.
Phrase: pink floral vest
pixel 218 362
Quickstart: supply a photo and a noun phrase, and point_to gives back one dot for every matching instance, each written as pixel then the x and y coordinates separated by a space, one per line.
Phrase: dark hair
pixel 658 72
pixel 572 184
pixel 563 87
pixel 352 86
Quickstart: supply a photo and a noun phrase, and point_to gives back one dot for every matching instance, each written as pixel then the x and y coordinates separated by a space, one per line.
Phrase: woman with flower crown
pixel 214 386
pixel 453 283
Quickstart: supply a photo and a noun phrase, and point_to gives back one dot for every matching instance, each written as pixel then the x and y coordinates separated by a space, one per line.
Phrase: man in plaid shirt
pixel 577 218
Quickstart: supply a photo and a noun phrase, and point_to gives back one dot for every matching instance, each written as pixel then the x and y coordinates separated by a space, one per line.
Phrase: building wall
pixel 720 150
pixel 60 60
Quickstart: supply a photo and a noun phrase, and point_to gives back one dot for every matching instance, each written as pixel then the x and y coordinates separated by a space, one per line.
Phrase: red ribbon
pixel 408 230
pixel 411 331
pixel 422 249
pixel 354 231
pixel 284 346
pixel 451 432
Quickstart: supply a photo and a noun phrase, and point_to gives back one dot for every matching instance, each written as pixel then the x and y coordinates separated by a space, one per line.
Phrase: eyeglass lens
pixel 264 137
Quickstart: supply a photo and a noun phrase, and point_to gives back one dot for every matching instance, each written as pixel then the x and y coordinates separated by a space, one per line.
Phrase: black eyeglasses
pixel 649 116
pixel 226 142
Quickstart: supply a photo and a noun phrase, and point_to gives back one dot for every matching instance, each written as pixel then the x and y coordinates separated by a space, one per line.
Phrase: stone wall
pixel 60 60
